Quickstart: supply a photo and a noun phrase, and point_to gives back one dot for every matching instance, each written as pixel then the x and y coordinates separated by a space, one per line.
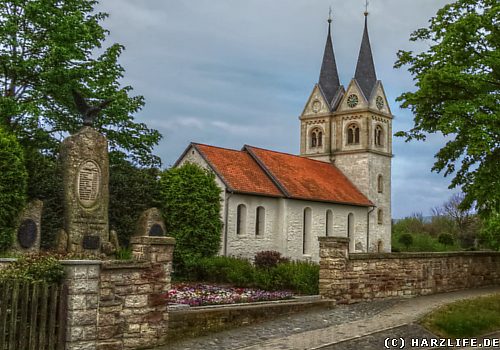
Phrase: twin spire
pixel 365 69
pixel 328 76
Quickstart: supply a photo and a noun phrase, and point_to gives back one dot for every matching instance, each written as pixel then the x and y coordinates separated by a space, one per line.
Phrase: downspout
pixel 368 228
pixel 226 215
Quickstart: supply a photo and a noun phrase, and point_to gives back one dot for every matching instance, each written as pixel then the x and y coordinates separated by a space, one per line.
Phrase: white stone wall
pixel 284 226
pixel 247 243
pixel 293 232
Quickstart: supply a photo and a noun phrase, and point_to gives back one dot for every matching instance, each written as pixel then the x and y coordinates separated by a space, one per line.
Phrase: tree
pixel 13 178
pixel 190 200
pixel 45 183
pixel 458 81
pixel 131 191
pixel 46 50
pixel 406 239
pixel 465 221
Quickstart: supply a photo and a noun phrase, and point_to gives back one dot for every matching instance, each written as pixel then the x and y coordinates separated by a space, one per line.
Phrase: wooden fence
pixel 32 316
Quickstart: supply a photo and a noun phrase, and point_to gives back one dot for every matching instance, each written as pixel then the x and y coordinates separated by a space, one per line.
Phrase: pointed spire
pixel 329 77
pixel 365 69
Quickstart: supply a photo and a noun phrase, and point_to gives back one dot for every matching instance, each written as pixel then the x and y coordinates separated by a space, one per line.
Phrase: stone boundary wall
pixel 197 321
pixel 116 305
pixel 132 310
pixel 350 278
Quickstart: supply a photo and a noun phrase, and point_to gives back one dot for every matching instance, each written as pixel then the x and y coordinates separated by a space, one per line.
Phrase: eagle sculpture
pixel 88 112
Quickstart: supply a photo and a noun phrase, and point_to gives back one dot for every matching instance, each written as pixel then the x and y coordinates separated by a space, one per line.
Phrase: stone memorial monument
pixel 151 223
pixel 85 163
pixel 28 233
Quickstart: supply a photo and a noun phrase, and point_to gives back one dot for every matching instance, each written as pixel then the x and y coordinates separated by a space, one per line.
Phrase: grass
pixel 465 318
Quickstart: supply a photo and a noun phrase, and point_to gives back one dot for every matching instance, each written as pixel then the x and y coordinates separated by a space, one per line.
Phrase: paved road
pixel 363 326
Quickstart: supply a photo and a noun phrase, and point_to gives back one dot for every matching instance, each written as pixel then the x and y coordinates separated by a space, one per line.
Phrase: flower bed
pixel 206 294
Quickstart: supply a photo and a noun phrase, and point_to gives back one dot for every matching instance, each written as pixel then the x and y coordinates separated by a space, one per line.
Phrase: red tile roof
pixel 238 170
pixel 305 178
pixel 269 173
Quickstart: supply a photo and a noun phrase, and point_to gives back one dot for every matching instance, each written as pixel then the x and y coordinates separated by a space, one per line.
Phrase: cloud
pixel 229 75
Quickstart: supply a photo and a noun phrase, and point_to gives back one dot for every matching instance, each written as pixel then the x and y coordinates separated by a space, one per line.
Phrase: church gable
pixel 378 99
pixel 353 99
pixel 316 104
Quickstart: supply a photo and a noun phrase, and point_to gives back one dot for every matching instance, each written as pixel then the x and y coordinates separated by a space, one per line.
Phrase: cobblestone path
pixel 362 326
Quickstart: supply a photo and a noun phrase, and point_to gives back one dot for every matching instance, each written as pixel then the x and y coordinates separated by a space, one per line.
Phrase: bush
pixel 223 269
pixel 300 277
pixel 190 199
pixel 34 268
pixel 268 259
pixel 131 191
pixel 406 239
pixel 446 239
pixel 13 180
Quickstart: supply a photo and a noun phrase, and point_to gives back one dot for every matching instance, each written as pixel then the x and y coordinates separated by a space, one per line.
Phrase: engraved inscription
pixel 26 234
pixel 91 242
pixel 89 181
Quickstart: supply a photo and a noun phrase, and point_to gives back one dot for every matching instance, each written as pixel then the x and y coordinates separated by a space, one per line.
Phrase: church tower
pixel 317 130
pixel 352 128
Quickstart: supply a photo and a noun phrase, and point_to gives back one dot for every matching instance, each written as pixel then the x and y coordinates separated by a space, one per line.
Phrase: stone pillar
pixel 86 190
pixel 82 282
pixel 29 231
pixel 151 223
pixel 153 249
pixel 334 260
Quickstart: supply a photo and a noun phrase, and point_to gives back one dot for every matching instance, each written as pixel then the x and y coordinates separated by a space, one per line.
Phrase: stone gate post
pixel 334 259
pixel 82 283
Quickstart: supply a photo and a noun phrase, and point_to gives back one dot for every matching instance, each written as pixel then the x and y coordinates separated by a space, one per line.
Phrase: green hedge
pixel 298 276
pixel 34 268
pixel 13 180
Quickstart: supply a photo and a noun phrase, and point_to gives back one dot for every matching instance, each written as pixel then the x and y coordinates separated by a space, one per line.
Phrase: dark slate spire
pixel 328 77
pixel 365 69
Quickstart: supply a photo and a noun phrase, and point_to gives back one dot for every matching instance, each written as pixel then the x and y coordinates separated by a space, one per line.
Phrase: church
pixel 339 185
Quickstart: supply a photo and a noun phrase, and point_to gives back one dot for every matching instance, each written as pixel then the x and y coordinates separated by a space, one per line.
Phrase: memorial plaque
pixel 26 234
pixel 91 242
pixel 89 178
pixel 156 230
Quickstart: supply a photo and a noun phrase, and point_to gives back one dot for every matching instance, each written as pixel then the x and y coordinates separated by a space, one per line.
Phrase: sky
pixel 229 73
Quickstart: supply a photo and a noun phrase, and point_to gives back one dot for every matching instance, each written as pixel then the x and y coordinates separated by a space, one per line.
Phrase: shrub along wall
pixel 351 278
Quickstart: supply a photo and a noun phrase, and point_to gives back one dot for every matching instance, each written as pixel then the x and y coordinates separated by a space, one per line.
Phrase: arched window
pixel 329 223
pixel 380 217
pixel 306 230
pixel 316 138
pixel 350 231
pixel 380 184
pixel 260 221
pixel 241 219
pixel 352 134
pixel 379 136
pixel 380 246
